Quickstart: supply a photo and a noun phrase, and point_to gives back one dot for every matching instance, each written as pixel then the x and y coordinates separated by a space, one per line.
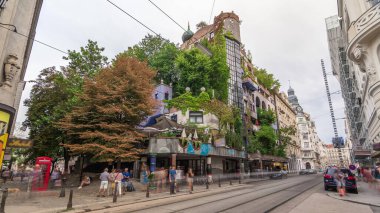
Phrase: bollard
pixel 70 203
pixel 147 190
pixel 207 183
pixel 219 180
pixel 3 199
pixel 230 180
pixel 63 190
pixel 240 179
pixel 115 193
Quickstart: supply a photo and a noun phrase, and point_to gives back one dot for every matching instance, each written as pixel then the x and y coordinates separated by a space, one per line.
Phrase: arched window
pixel 258 102
pixel 263 106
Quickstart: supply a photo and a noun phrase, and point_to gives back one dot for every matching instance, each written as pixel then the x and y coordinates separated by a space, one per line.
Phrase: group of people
pixel 162 176
pixel 117 178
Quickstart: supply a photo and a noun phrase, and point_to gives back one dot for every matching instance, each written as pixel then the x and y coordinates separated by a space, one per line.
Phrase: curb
pixel 107 204
pixel 353 201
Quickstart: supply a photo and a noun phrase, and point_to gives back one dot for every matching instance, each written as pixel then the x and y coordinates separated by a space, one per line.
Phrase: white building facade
pixel 18 21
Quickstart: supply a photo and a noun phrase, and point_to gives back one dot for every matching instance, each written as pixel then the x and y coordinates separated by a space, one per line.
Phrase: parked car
pixel 349 179
pixel 278 175
pixel 303 172
pixel 312 171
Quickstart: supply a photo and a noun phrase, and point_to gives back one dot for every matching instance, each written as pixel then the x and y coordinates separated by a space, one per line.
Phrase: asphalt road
pixel 257 197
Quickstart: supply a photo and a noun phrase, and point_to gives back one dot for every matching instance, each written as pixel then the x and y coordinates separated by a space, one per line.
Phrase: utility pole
pixel 331 111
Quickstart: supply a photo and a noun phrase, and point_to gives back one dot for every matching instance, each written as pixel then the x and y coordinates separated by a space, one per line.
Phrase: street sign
pixel 19 143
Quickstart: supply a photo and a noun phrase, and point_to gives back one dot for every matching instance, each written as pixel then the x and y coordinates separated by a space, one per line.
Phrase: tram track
pixel 314 183
pixel 221 199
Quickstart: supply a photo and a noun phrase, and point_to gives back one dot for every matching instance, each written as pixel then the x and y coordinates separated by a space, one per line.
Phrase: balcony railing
pixel 249 84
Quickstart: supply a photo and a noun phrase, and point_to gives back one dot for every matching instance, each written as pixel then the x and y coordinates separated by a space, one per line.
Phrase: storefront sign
pixel 6 120
pixel 19 143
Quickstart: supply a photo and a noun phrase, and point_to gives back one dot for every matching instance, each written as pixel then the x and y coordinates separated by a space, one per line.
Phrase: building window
pixel 156 96
pixel 166 96
pixel 196 117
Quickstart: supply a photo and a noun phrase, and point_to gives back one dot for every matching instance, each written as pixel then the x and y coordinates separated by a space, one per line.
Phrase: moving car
pixel 349 179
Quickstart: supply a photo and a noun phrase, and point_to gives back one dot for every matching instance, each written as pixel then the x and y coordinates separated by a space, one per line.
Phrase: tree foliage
pixel 112 105
pixel 221 73
pixel 266 79
pixel 264 141
pixel 194 71
pixel 201 24
pixel 160 54
pixel 53 95
pixel 187 101
pixel 266 117
pixel 222 111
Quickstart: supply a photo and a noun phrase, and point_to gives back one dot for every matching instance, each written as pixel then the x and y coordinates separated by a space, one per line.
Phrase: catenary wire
pixel 133 18
pixel 167 15
pixel 28 37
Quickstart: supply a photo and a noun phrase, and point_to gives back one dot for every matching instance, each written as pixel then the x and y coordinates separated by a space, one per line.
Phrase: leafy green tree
pixel 264 141
pixel 160 54
pixel 266 79
pixel 88 61
pixel 164 62
pixel 187 101
pixel 54 94
pixel 194 71
pixel 222 111
pixel 266 117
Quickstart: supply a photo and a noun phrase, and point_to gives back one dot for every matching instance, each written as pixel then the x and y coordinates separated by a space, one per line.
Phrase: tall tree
pixel 194 68
pixel 54 94
pixel 112 105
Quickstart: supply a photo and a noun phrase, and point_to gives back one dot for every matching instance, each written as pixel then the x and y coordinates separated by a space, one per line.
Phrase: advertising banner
pixel 5 121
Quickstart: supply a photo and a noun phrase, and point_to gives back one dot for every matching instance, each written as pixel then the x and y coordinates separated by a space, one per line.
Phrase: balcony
pixel 365 27
pixel 249 84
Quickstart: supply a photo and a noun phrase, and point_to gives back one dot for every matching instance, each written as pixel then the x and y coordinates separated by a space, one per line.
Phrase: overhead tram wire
pixel 40 42
pixel 133 18
pixel 212 10
pixel 167 15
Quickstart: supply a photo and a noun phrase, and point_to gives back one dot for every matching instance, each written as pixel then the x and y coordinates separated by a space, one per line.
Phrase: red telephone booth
pixel 41 174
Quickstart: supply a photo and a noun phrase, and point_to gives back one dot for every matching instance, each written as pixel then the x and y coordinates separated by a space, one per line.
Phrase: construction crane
pixel 336 141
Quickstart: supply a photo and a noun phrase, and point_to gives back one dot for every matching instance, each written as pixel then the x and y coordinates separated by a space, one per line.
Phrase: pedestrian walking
pixel 103 183
pixel 111 180
pixel 190 178
pixel 118 179
pixel 339 180
pixel 144 175
pixel 172 175
pixel 55 175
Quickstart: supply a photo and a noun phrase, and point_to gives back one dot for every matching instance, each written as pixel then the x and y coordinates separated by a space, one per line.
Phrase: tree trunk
pixel 118 164
pixel 66 159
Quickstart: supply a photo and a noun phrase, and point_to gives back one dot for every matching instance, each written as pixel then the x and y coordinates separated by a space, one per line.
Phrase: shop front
pixel 204 160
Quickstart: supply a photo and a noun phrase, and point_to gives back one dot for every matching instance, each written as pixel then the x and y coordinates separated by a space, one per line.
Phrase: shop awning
pixel 375 154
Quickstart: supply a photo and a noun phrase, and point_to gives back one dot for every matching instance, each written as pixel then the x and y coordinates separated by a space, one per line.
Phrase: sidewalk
pixel 319 202
pixel 86 198
pixel 367 195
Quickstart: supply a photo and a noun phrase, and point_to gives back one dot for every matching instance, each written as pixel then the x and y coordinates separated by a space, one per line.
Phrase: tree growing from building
pixel 111 106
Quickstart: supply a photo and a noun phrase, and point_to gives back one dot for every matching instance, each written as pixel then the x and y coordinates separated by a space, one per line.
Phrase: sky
pixel 287 37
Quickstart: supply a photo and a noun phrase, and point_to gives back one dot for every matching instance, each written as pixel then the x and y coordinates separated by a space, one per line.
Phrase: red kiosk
pixel 41 173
